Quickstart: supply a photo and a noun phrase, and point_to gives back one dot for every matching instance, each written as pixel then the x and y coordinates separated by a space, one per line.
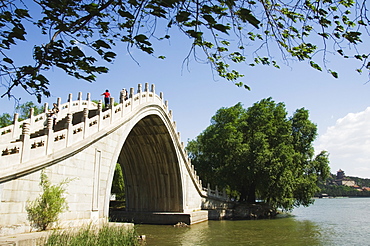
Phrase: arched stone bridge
pixel 85 145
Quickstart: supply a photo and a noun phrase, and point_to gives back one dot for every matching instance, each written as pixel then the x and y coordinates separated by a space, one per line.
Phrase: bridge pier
pixel 159 218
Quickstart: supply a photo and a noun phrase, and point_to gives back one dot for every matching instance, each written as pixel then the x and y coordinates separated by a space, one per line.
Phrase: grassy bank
pixel 92 236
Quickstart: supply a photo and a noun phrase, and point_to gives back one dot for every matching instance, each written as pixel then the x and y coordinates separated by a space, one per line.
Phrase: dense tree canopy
pixel 261 153
pixel 76 35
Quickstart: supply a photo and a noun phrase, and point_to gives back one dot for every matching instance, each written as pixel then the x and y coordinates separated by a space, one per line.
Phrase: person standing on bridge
pixel 106 95
pixel 124 94
pixel 54 113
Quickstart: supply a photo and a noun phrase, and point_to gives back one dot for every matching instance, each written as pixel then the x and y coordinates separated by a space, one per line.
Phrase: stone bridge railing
pixel 18 147
pixel 37 122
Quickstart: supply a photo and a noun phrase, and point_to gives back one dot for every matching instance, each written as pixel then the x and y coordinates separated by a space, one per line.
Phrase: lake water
pixel 337 221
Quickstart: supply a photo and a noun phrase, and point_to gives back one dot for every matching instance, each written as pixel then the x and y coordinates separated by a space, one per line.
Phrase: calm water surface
pixel 344 221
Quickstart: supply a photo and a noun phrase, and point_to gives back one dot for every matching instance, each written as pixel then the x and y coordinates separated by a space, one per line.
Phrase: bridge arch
pixel 150 163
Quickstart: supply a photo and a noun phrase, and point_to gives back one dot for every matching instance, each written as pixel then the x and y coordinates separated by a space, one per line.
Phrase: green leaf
pixel 353 37
pixel 334 74
pixel 19 32
pixel 125 14
pixel 315 66
pixel 101 43
pixel 209 19
pixel 246 16
pixel 141 38
pixel 109 56
pixel 194 34
pixel 8 60
pixel 221 28
pixel 101 69
pixel 182 16
pixel 21 13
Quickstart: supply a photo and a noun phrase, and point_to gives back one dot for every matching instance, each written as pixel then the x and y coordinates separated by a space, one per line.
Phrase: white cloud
pixel 348 143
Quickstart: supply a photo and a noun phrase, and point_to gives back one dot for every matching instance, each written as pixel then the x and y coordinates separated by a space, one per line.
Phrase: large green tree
pixel 75 35
pixel 261 153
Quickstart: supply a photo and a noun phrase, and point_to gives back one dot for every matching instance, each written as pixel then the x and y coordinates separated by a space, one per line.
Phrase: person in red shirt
pixel 106 95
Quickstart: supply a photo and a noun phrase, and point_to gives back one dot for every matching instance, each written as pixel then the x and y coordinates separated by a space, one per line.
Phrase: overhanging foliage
pixel 74 35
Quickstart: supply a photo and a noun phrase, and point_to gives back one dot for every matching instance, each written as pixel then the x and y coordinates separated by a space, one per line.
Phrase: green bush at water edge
pixel 91 236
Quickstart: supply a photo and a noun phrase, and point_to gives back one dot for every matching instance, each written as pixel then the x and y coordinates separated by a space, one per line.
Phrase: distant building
pixel 340 174
pixel 323 195
pixel 348 182
pixel 341 180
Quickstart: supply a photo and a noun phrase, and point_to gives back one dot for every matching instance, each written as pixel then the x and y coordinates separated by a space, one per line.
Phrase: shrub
pixel 46 208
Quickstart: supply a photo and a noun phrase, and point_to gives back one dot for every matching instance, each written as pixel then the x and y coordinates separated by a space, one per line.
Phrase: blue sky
pixel 339 107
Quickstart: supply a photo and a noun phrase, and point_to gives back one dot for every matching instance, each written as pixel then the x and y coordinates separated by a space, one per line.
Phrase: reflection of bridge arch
pixel 85 146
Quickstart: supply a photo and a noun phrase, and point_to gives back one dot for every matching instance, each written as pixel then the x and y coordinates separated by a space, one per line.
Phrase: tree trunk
pixel 243 194
pixel 251 198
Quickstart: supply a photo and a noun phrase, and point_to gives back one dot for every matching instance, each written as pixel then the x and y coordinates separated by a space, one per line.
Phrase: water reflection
pixel 343 221
pixel 286 231
pixel 327 222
